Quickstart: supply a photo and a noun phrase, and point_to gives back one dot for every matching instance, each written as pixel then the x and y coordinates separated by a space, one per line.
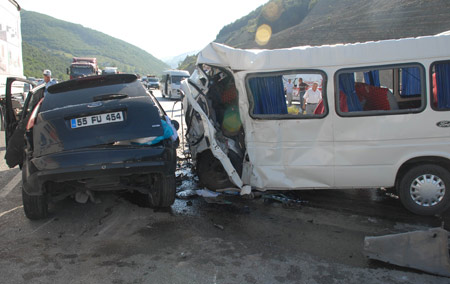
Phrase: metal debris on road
pixel 422 250
pixel 219 226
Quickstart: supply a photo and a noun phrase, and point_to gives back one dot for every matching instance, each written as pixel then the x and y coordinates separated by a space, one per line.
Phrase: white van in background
pixel 110 70
pixel 170 83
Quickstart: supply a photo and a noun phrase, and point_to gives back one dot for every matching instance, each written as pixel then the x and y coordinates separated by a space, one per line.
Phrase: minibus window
pixel 287 95
pixel 380 91
pixel 440 82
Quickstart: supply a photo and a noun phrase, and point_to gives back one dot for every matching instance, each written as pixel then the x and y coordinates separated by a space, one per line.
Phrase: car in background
pixel 97 133
pixel 152 83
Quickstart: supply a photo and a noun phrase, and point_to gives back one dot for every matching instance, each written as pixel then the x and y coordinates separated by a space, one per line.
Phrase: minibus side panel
pixel 286 153
pixel 370 148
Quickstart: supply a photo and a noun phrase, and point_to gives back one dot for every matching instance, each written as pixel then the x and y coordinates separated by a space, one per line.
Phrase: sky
pixel 163 28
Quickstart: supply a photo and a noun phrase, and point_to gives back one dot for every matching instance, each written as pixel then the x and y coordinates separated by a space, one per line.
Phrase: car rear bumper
pixel 97 163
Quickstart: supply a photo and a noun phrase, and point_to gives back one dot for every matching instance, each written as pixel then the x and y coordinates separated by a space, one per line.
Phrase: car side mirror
pixel 175 124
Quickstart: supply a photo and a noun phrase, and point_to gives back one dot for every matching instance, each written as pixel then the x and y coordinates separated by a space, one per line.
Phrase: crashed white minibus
pixel 381 119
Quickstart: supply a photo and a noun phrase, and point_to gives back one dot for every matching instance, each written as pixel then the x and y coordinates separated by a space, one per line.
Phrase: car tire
pixel 425 190
pixel 163 195
pixel 34 206
pixel 211 172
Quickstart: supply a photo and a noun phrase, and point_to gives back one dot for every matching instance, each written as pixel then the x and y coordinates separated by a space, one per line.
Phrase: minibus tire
pixel 211 172
pixel 432 178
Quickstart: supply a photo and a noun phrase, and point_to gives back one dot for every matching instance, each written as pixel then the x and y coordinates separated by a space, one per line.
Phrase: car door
pixel 16 118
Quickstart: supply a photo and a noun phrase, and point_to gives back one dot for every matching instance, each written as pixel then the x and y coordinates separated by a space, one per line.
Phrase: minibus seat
pixel 372 97
pixel 377 100
pixel 319 108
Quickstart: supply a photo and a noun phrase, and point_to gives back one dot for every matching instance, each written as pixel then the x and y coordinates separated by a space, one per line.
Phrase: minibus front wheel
pixel 425 190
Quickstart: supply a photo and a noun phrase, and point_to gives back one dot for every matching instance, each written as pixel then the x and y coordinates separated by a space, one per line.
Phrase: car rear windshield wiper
pixel 110 97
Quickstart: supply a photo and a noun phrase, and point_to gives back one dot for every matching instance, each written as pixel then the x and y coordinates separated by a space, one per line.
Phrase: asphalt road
pixel 238 241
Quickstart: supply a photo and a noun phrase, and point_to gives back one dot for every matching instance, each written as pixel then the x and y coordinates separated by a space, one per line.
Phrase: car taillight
pixel 33 116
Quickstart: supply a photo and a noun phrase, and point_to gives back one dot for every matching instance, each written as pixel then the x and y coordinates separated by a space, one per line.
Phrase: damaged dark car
pixel 98 133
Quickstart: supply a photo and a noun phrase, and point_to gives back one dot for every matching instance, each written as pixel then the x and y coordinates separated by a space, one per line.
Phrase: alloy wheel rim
pixel 427 190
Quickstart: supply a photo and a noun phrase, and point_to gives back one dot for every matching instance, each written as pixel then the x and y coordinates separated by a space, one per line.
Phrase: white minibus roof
pixel 378 52
pixel 177 72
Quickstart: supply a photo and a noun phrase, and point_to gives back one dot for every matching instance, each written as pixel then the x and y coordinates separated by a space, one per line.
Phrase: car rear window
pixel 90 89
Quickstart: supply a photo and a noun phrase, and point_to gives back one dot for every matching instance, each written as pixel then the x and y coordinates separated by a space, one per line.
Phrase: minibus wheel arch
pixel 413 184
pixel 411 163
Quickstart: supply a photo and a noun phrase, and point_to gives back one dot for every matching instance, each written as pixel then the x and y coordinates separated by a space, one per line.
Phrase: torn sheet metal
pixel 210 133
pixel 422 250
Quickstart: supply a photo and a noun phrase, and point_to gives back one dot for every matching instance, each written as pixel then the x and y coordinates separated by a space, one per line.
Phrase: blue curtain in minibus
pixel 372 78
pixel 268 95
pixel 411 81
pixel 443 85
pixel 347 85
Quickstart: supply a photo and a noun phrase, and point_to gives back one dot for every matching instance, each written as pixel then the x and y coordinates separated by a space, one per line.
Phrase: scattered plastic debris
pixel 422 250
pixel 207 193
pixel 284 199
pixel 186 194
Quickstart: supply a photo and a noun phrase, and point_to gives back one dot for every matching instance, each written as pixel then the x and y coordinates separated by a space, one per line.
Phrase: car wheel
pixel 164 193
pixel 211 172
pixel 35 206
pixel 424 190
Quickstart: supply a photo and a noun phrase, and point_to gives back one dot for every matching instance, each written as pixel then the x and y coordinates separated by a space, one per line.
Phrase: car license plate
pixel 96 119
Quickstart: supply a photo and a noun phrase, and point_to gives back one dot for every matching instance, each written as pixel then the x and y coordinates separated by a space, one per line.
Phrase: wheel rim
pixel 427 190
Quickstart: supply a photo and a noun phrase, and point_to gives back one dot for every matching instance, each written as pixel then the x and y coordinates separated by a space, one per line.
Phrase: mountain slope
pixel 338 21
pixel 49 43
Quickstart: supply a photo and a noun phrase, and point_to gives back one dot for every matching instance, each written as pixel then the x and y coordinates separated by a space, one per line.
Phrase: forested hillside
pixel 318 22
pixel 49 43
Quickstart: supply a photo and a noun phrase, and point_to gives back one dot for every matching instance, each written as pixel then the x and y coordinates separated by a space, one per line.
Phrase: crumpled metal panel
pixel 210 133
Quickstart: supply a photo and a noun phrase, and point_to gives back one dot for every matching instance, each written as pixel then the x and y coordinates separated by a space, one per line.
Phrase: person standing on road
pixel 289 88
pixel 48 79
pixel 311 98
pixel 302 87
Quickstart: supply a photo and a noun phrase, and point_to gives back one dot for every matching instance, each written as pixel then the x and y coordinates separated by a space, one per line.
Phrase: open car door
pixel 15 115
